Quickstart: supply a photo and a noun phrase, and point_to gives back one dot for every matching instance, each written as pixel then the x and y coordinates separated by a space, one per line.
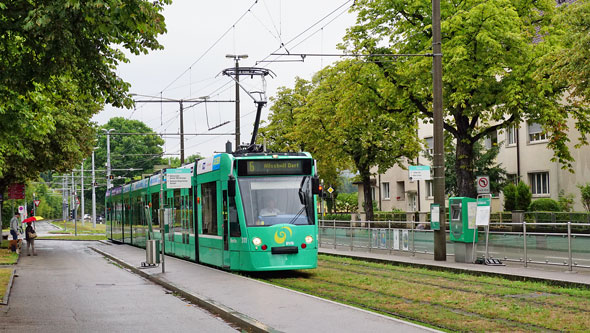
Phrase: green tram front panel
pixel 462 219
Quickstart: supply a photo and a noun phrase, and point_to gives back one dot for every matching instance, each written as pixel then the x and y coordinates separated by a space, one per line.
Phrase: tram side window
pixel 177 209
pixel 189 207
pixel 155 207
pixel 234 224
pixel 209 208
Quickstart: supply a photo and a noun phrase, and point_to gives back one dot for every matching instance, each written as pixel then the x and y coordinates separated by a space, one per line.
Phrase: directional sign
pixel 37 202
pixel 483 185
pixel 419 172
pixel 16 191
pixel 178 178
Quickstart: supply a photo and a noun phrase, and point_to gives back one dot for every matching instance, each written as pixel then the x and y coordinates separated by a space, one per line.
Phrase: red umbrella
pixel 29 219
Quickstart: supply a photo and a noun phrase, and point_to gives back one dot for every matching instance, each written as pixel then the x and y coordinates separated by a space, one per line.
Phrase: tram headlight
pixel 308 239
pixel 256 241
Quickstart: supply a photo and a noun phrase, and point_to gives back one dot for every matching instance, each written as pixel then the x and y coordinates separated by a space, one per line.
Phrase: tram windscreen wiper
pixel 294 219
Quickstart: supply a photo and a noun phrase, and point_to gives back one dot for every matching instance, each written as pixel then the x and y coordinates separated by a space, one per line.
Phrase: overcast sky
pixel 194 55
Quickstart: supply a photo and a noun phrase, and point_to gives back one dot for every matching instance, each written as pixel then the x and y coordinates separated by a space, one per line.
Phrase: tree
pixel 517 197
pixel 350 118
pixel 492 51
pixel 585 195
pixel 58 63
pixel 509 197
pixel 568 65
pixel 140 152
pixel 484 164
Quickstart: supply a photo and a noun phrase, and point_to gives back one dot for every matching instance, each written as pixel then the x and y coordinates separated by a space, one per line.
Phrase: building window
pixel 511 135
pixel 536 133
pixel 539 182
pixel 385 189
pixel 429 146
pixel 491 140
pixel 401 190
pixel 429 189
pixel 373 190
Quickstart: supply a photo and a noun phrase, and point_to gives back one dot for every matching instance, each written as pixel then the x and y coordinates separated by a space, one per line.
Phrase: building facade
pixel 523 154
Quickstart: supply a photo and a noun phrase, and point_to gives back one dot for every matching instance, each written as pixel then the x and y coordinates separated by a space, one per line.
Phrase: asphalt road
pixel 69 288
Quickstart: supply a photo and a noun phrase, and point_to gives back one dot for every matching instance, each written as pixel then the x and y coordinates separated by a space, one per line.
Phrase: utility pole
pixel 181 134
pixel 440 236
pixel 82 193
pixel 93 194
pixel 237 58
pixel 75 210
pixel 108 157
pixel 64 207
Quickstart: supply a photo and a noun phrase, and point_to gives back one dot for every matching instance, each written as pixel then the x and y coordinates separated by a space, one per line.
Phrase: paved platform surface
pixel 274 307
pixel 557 274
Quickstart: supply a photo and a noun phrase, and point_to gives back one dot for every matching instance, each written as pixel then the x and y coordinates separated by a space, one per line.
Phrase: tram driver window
pixel 209 208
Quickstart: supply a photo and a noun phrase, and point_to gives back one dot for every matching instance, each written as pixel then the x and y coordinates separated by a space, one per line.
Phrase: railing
pixel 516 244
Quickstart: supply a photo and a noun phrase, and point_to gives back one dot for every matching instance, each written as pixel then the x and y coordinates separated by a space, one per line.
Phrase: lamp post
pixel 237 58
pixel 108 157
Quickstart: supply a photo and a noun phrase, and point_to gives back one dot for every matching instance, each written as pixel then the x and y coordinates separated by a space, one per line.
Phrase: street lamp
pixel 108 133
pixel 237 58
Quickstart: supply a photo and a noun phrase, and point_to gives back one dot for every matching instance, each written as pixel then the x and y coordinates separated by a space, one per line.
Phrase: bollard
pixel 524 236
pixel 569 244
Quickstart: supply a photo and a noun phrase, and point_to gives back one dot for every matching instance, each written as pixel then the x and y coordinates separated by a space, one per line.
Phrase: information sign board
pixel 419 172
pixel 178 178
pixel 434 217
pixel 483 211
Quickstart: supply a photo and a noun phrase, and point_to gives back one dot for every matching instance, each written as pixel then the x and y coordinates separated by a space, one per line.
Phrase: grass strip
pixel 7 257
pixel 5 274
pixel 536 297
pixel 82 228
pixel 79 237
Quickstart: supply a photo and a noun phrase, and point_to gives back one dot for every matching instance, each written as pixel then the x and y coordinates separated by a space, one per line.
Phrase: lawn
pixel 5 274
pixel 87 237
pixel 82 229
pixel 444 300
pixel 7 257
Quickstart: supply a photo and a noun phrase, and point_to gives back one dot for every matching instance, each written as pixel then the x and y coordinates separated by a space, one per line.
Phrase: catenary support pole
pixel 181 134
pixel 440 237
pixel 82 193
pixel 93 194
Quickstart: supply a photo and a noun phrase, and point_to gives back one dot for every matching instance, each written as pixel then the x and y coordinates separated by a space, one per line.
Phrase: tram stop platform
pixel 558 275
pixel 250 304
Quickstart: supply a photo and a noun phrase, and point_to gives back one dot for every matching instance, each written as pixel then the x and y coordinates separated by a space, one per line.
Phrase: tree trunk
pixel 368 194
pixel 464 169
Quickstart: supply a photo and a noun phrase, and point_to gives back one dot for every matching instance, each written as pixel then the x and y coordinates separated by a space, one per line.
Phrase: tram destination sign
pixel 178 178
pixel 274 167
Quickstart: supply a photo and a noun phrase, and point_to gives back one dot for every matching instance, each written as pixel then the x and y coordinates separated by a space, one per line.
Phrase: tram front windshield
pixel 277 200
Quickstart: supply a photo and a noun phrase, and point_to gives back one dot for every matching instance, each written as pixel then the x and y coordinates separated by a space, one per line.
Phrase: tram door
pixel 179 222
pixel 225 221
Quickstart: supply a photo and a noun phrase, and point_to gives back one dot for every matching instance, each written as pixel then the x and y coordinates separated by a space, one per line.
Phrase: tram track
pixel 504 324
pixel 440 284
pixel 476 279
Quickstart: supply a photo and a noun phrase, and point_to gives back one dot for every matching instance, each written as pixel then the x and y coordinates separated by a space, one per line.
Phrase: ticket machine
pixel 463 231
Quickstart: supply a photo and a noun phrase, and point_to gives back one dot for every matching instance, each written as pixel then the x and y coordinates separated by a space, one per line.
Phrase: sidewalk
pixel 254 305
pixel 512 270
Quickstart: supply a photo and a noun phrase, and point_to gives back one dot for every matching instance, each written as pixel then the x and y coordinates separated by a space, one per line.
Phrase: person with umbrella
pixel 30 235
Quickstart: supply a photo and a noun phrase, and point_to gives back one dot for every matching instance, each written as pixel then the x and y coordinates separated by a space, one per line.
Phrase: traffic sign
pixel 37 202
pixel 483 185
pixel 330 190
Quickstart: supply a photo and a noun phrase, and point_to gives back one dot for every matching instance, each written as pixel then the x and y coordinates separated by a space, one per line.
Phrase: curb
pixel 228 314
pixel 508 276
pixel 8 288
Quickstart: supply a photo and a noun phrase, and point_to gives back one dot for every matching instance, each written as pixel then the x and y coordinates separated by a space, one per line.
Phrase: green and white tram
pixel 248 212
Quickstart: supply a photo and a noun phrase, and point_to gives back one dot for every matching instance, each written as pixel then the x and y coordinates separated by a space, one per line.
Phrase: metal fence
pixel 567 244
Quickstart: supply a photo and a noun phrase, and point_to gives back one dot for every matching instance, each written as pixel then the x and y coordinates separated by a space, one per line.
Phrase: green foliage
pixel 523 196
pixel 347 202
pixel 347 119
pixel 489 67
pixel 585 194
pixel 566 201
pixel 544 205
pixel 509 197
pixel 337 217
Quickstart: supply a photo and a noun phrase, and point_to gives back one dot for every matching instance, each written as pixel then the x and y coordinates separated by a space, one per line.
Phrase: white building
pixel 523 153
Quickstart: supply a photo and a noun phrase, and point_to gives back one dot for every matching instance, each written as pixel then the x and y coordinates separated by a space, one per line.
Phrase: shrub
pixel 585 193
pixel 566 201
pixel 509 197
pixel 545 205
pixel 523 196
